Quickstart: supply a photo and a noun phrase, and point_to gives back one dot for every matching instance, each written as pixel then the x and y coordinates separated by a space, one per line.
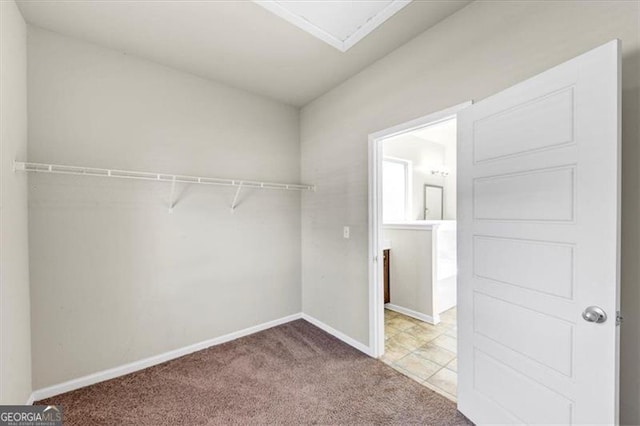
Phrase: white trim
pixel 154 360
pixel 376 307
pixel 30 400
pixel 414 226
pixel 373 23
pixel 342 45
pixel 335 333
pixel 435 319
pixel 376 298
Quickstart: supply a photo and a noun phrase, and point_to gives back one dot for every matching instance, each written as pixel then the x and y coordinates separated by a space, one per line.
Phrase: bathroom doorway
pixel 413 233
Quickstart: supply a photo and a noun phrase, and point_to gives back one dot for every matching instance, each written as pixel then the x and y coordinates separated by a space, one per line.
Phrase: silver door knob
pixel 594 314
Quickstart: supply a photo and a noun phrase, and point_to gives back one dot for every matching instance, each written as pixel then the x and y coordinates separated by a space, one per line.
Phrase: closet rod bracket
pixel 173 190
pixel 235 199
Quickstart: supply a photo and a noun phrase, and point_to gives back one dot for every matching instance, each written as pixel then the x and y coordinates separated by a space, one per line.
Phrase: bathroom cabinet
pixel 386 268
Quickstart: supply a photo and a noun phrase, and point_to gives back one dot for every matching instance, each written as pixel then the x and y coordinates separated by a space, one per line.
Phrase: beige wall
pixel 114 277
pixel 15 344
pixel 411 268
pixel 486 47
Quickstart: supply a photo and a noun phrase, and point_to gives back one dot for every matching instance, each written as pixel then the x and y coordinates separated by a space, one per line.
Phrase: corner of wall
pixel 15 315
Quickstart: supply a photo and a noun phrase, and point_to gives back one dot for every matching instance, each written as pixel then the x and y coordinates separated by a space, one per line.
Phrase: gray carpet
pixel 291 374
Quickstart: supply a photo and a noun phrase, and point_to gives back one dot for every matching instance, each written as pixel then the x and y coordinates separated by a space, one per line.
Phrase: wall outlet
pixel 346 232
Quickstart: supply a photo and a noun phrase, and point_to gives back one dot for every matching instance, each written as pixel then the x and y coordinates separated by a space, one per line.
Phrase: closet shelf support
pixel 173 190
pixel 235 199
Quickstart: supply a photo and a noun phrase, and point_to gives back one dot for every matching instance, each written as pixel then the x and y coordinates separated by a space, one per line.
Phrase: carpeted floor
pixel 291 374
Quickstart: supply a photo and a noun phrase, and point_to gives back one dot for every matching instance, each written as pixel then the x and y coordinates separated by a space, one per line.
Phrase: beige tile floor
pixel 424 352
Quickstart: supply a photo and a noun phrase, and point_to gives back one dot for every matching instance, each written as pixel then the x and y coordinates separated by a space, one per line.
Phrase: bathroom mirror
pixel 433 201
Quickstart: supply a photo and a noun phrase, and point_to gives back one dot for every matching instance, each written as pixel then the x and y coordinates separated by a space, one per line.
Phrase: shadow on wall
pixel 630 256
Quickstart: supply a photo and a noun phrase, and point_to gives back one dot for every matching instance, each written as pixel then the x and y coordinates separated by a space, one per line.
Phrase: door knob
pixel 594 314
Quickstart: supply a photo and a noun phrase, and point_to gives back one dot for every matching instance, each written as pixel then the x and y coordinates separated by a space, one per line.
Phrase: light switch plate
pixel 345 232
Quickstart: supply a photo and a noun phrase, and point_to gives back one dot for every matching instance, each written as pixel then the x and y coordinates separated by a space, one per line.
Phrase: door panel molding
pixel 538 242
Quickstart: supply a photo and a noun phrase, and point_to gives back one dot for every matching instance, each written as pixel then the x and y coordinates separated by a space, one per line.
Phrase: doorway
pixel 413 233
pixel 538 265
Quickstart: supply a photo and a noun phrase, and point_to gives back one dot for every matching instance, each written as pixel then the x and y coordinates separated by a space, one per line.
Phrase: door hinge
pixel 618 318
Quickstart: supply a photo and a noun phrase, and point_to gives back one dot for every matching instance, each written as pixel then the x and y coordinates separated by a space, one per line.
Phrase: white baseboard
pixel 435 319
pixel 335 333
pixel 151 361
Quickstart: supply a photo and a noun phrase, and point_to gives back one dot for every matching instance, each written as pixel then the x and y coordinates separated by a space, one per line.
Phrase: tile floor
pixel 424 352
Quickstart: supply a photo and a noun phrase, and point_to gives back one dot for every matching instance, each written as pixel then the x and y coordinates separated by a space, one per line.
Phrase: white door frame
pixel 376 307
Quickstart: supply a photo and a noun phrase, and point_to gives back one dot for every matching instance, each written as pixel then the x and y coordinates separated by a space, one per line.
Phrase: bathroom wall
pixel 425 154
pixel 411 270
pixel 423 268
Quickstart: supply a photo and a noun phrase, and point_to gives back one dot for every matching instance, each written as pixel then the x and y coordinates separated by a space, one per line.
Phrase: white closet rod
pixel 164 177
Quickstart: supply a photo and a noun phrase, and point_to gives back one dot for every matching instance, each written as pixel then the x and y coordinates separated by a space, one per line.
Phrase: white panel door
pixel 538 243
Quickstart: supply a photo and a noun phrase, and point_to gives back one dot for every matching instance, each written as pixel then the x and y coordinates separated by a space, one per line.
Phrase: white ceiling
pixel 444 132
pixel 340 23
pixel 235 42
